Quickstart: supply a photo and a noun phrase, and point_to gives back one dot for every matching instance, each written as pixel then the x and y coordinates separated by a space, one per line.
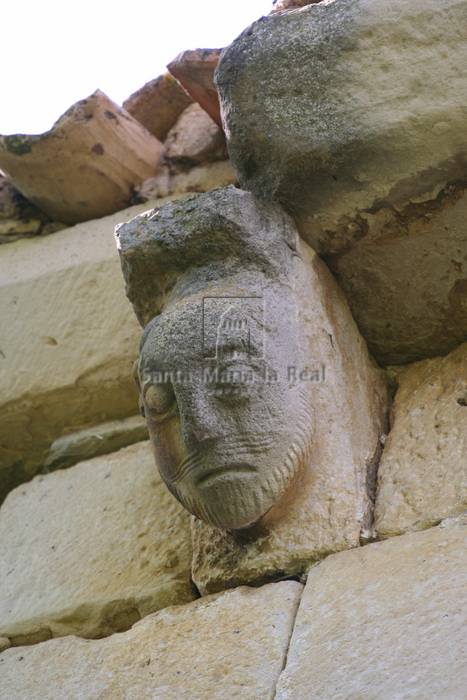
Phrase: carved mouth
pixel 207 478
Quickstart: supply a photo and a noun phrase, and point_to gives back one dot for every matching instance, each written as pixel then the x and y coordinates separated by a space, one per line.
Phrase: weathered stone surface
pixel 201 178
pixel 407 281
pixel 290 451
pixel 195 139
pixel 228 646
pixel 158 105
pixel 91 549
pixel 367 150
pixel 18 217
pixel 87 165
pixel 194 70
pixel 384 621
pixel 281 5
pixel 4 644
pixel 92 442
pixel 423 472
pixel 67 345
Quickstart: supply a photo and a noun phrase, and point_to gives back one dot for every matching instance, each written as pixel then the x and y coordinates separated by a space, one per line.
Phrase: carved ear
pixel 138 385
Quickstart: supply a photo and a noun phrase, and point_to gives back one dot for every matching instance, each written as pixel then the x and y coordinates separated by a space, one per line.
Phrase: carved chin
pixel 239 496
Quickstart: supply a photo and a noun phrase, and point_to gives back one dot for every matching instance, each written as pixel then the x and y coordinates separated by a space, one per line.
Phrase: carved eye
pixel 159 398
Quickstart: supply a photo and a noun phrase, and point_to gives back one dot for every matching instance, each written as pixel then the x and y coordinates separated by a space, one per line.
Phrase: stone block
pixel 228 646
pixel 91 549
pixel 422 476
pixel 384 621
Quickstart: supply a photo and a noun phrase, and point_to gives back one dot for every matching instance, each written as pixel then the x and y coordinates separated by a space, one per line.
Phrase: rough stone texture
pixel 407 282
pixel 195 139
pixel 92 442
pixel 201 178
pixel 18 217
pixel 158 105
pixel 366 148
pixel 67 345
pixel 87 165
pixel 384 621
pixel 281 5
pixel 423 472
pixel 228 646
pixel 4 644
pixel 309 446
pixel 91 549
pixel 194 70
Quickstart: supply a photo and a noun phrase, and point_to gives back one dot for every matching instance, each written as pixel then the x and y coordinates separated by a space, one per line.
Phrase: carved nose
pixel 199 421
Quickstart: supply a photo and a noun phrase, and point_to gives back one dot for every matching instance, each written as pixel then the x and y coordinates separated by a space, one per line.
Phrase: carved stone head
pixel 214 280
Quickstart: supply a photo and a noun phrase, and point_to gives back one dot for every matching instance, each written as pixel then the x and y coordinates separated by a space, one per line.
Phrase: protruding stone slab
pixel 67 345
pixel 91 442
pixel 263 405
pixel 367 150
pixel 195 71
pixel 384 621
pixel 228 646
pixel 158 105
pixel 423 472
pixel 86 166
pixel 195 139
pixel 91 549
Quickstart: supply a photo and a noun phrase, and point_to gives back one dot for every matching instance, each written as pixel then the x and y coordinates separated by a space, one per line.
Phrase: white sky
pixel 55 52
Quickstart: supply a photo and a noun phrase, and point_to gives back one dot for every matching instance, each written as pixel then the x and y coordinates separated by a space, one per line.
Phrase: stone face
pixel 67 345
pixel 423 471
pixel 366 149
pixel 158 105
pixel 91 549
pixel 92 442
pixel 384 621
pixel 194 70
pixel 87 165
pixel 262 403
pixel 195 139
pixel 228 646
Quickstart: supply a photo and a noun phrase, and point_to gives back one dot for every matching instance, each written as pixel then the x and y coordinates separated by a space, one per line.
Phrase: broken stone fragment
pixel 384 621
pixel 422 477
pixel 229 646
pixel 91 442
pixel 200 178
pixel 158 104
pixel 366 149
pixel 195 139
pixel 194 70
pixel 91 549
pixel 86 166
pixel 18 217
pixel 277 467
